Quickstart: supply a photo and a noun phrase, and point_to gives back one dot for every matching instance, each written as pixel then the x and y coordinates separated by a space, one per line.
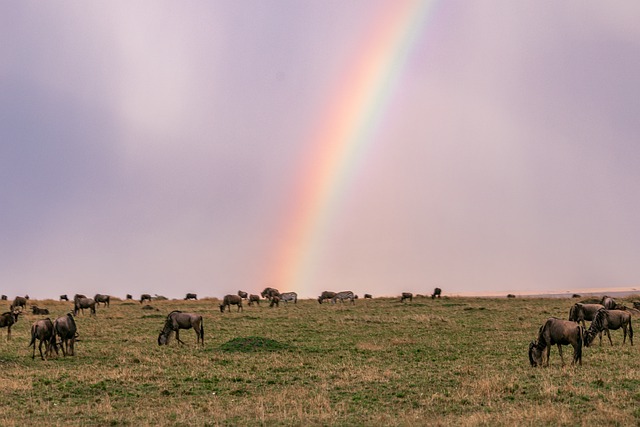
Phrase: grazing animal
pixel 367 296
pixel 36 310
pixel 177 320
pixel 405 296
pixel 289 296
pixel 191 296
pixel 19 302
pixel 345 295
pixel 42 330
pixel 580 312
pixel 243 295
pixel 65 328
pixel 99 298
pixel 230 300
pixel 129 296
pixel 76 296
pixel 326 295
pixel 559 332
pixel 159 297
pixel 254 299
pixel 145 297
pixel 608 303
pixel 64 297
pixel 511 296
pixel 3 297
pixel 275 300
pixel 636 305
pixel 269 293
pixel 7 320
pixel 576 296
pixel 436 293
pixel 82 303
pixel 610 319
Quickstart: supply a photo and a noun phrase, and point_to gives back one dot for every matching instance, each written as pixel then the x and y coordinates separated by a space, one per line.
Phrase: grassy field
pixel 454 361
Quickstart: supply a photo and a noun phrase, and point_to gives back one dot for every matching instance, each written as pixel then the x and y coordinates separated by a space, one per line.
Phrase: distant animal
pixel 159 297
pixel 36 310
pixel 191 296
pixel 345 295
pixel 608 303
pixel 436 293
pixel 82 303
pixel 19 302
pixel 326 296
pixel 406 296
pixel 558 332
pixel 610 319
pixel 3 297
pixel 275 300
pixel 64 297
pixel 65 328
pixel 269 293
pixel 129 296
pixel 254 299
pixel 289 296
pixel 367 296
pixel 104 299
pixel 230 300
pixel 242 295
pixel 636 305
pixel 580 312
pixel 576 296
pixel 177 320
pixel 42 330
pixel 7 320
pixel 511 296
pixel 145 297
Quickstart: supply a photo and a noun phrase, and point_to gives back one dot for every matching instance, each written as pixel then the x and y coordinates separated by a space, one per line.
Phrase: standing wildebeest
pixel 406 295
pixel 19 302
pixel 269 293
pixel 37 310
pixel 275 300
pixel 325 296
pixel 289 296
pixel 64 297
pixel 43 331
pixel 254 298
pixel 511 296
pixel 65 328
pixel 82 303
pixel 609 303
pixel 99 298
pixel 145 297
pixel 191 296
pixel 345 295
pixel 559 332
pixel 436 293
pixel 580 312
pixel 230 300
pixel 367 296
pixel 177 320
pixel 243 295
pixel 3 297
pixel 609 319
pixel 129 296
pixel 7 320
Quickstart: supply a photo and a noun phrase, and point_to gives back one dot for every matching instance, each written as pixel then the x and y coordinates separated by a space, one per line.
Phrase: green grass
pixel 454 361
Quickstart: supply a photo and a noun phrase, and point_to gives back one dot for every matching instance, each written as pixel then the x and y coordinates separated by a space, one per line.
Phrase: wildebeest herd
pixel 605 316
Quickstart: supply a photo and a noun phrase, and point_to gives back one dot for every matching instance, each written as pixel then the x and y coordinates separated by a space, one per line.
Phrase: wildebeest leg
pixel 560 352
pixel 40 348
pixel 9 333
pixel 178 337
pixel 547 354
pixel 609 335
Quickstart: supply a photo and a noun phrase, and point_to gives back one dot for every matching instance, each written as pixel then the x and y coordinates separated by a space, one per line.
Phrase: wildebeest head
pixel 535 354
pixel 165 333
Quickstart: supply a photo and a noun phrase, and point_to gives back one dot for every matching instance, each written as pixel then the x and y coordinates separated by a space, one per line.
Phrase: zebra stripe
pixel 343 296
pixel 289 296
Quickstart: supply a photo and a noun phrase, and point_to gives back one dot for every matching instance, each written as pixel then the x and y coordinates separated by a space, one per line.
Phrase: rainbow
pixel 343 137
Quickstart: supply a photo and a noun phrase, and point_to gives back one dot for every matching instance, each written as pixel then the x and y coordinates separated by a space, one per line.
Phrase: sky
pixel 170 147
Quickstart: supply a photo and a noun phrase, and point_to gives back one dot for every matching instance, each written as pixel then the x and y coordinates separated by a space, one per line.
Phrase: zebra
pixel 289 296
pixel 345 295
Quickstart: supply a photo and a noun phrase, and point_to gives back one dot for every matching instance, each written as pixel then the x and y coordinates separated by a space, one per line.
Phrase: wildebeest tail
pixel 34 333
pixel 580 340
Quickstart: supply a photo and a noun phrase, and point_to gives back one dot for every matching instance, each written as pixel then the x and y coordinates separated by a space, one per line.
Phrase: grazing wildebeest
pixel 559 332
pixel 160 297
pixel 3 297
pixel 64 297
pixel 7 320
pixel 576 296
pixel 406 295
pixel 275 300
pixel 43 331
pixel 65 328
pixel 436 293
pixel 99 298
pixel 289 296
pixel 82 303
pixel 145 297
pixel 37 310
pixel 326 296
pixel 19 302
pixel 610 303
pixel 511 296
pixel 243 295
pixel 367 296
pixel 191 296
pixel 610 319
pixel 269 293
pixel 343 295
pixel 254 298
pixel 177 320
pixel 580 312
pixel 230 300
pixel 129 296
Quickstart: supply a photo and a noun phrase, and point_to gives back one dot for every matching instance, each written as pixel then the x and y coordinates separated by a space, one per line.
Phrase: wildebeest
pixel 65 328
pixel 230 300
pixel 76 296
pixel 177 320
pixel 43 331
pixel 610 319
pixel 64 297
pixel 368 296
pixel 37 310
pixel 145 297
pixel 254 298
pixel 436 293
pixel 576 296
pixel 3 297
pixel 99 298
pixel 7 320
pixel 326 295
pixel 559 332
pixel 636 305
pixel 580 312
pixel 129 296
pixel 191 296
pixel 343 295
pixel 289 296
pixel 511 296
pixel 82 303
pixel 159 297
pixel 243 295
pixel 405 296
pixel 269 293
pixel 19 302
pixel 608 303
pixel 275 300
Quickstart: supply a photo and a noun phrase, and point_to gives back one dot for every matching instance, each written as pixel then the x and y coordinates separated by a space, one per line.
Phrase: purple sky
pixel 154 147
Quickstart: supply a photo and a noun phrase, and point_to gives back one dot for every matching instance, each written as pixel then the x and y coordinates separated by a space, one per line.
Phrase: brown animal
pixel 609 303
pixel 7 320
pixel 104 299
pixel 42 330
pixel 367 296
pixel 436 293
pixel 145 297
pixel 275 300
pixel 511 296
pixel 191 296
pixel 580 312
pixel 19 302
pixel 559 332
pixel 3 297
pixel 269 293
pixel 177 320
pixel 610 319
pixel 64 297
pixel 254 299
pixel 76 296
pixel 65 328
pixel 326 296
pixel 82 303
pixel 230 300
pixel 406 295
pixel 242 295
pixel 129 296
pixel 36 310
